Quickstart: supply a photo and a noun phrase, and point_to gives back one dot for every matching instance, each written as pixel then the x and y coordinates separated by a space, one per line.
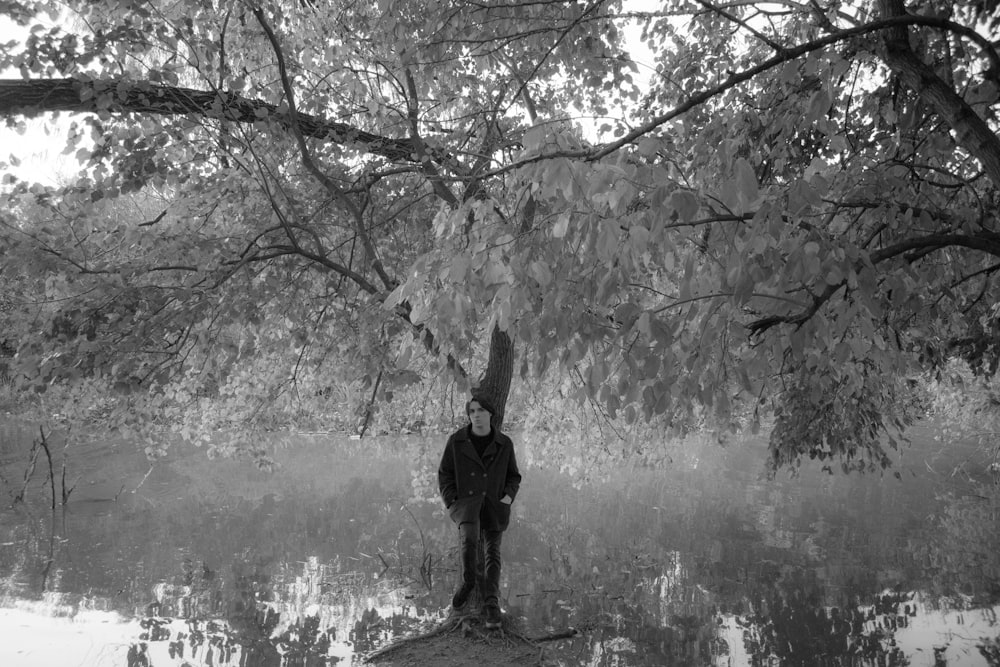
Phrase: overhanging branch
pixel 37 96
pixel 986 242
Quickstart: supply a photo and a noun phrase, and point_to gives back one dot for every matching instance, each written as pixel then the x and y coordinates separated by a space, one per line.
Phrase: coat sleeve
pixel 446 475
pixel 513 481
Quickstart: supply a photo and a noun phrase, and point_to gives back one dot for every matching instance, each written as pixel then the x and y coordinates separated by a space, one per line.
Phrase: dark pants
pixel 489 577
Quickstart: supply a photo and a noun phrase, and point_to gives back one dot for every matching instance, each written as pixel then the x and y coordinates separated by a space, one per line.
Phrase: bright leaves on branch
pixel 794 215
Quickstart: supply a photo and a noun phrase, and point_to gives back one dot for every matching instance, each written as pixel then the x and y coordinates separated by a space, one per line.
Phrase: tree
pixel 794 217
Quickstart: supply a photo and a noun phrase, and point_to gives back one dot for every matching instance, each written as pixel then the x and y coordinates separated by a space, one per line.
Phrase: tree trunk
pixel 495 383
pixel 495 387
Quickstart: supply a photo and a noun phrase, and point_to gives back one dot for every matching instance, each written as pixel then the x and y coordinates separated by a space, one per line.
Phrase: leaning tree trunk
pixel 495 387
pixel 495 382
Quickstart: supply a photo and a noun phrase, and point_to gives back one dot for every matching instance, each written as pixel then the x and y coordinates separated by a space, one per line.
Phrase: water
pixel 343 547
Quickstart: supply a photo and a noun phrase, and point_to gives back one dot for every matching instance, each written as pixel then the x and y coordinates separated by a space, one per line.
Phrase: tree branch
pixel 740 22
pixel 413 115
pixel 784 56
pixel 790 53
pixel 310 164
pixel 972 132
pixel 34 97
pixel 985 242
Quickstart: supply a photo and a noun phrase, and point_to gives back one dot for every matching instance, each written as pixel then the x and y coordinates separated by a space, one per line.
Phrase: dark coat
pixel 471 487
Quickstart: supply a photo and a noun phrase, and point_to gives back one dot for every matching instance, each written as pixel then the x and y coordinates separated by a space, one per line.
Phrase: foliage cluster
pixel 964 404
pixel 791 213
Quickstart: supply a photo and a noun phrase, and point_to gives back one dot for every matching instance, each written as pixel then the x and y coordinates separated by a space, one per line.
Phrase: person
pixel 478 479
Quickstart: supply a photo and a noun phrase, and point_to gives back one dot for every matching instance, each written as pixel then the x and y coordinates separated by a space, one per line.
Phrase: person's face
pixel 479 417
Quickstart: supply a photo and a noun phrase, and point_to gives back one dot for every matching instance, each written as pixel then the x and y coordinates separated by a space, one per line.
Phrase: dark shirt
pixel 481 442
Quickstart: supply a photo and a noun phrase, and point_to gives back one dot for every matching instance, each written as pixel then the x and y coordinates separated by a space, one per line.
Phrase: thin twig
pixel 371 405
pixel 52 474
pixel 28 472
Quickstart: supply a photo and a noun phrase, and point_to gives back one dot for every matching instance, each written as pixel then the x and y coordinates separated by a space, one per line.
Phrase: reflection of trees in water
pixel 664 577
pixel 252 622
pixel 686 640
pixel 29 568
pixel 651 609
pixel 648 564
pixel 794 627
pixel 250 642
pixel 990 649
pixel 279 615
pixel 962 550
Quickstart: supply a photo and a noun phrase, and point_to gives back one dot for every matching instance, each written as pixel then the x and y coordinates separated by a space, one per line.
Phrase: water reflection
pixel 344 547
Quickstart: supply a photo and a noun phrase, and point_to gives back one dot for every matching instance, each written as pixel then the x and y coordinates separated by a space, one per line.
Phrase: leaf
pixel 638 237
pixel 495 272
pixel 404 357
pixel 834 275
pixel 394 298
pixel 801 196
pixel 626 314
pixel 644 327
pixel 561 226
pixel 746 182
pixel 685 203
pixel 459 268
pixel 596 375
pixel 649 146
pixel 559 176
pixel 607 243
pixel 819 105
pixel 540 272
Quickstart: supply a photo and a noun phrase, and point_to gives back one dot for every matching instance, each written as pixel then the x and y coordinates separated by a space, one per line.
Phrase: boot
pixel 493 619
pixel 461 596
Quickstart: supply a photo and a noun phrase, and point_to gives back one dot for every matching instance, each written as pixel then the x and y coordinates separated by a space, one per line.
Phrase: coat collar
pixel 469 450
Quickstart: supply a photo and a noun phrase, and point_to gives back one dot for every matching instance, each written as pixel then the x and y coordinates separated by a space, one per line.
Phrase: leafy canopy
pixel 788 212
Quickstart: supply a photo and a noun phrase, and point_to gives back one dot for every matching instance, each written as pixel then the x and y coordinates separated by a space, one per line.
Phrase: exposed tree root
pixel 471 626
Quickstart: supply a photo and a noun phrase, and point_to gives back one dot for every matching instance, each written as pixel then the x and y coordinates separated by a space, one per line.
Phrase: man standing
pixel 478 479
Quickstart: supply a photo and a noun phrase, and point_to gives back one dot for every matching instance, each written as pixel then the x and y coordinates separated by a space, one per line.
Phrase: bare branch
pixel 740 22
pixel 310 163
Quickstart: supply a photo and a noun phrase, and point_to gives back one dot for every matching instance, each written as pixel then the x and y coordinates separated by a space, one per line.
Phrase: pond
pixel 342 548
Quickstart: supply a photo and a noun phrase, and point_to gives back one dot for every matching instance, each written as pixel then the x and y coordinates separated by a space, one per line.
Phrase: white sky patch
pixel 35 154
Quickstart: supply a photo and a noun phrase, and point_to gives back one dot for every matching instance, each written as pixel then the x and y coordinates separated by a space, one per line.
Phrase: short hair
pixel 484 403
